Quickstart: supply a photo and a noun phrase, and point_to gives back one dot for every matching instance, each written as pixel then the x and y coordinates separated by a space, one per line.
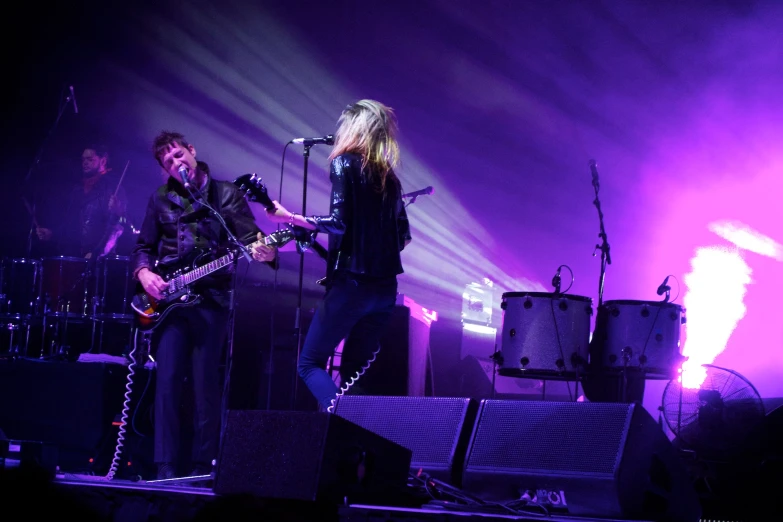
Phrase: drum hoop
pixel 114 258
pixel 548 295
pixel 631 302
pixel 22 260
pixel 67 258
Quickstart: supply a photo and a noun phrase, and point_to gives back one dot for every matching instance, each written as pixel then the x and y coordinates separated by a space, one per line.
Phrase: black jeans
pixel 355 309
pixel 191 335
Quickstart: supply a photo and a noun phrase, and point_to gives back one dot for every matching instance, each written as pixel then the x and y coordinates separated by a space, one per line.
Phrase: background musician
pixel 94 212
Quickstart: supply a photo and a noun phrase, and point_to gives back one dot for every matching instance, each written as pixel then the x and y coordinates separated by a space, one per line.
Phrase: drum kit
pixel 547 336
pixel 49 305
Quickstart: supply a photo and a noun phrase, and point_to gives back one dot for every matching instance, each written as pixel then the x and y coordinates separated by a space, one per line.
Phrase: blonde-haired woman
pixel 368 228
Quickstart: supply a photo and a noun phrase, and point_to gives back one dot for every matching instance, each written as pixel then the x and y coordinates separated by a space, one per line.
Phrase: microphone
pixel 183 173
pixel 426 191
pixel 594 171
pixel 556 281
pixel 73 99
pixel 664 288
pixel 308 142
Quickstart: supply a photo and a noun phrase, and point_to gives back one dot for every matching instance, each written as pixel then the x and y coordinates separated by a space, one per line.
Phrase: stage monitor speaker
pixel 435 429
pixel 308 456
pixel 583 459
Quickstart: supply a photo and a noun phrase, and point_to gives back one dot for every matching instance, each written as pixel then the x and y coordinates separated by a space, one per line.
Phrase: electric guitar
pixel 255 191
pixel 150 312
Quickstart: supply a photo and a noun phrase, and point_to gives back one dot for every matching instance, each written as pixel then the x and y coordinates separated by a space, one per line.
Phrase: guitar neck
pixel 213 266
pixel 202 271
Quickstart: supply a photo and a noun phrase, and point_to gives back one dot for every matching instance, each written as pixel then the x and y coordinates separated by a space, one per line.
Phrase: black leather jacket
pixel 175 231
pixel 367 229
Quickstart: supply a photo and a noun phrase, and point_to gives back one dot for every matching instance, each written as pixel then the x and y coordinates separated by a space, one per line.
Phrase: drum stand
pixel 59 344
pixel 98 326
pixel 575 397
pixel 15 349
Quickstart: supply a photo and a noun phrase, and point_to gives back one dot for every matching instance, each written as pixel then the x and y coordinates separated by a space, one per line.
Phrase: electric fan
pixel 716 419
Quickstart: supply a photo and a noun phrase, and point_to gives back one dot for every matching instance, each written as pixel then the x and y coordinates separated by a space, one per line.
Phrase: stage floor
pixel 121 500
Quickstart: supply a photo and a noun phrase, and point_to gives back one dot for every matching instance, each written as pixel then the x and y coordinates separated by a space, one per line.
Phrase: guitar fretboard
pixel 204 270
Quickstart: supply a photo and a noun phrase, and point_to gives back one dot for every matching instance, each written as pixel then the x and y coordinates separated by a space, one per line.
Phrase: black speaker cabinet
pixel 306 456
pixel 435 429
pixel 584 459
pixel 400 368
pixel 68 404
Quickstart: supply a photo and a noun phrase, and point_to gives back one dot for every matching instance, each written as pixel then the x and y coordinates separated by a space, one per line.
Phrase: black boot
pixel 166 471
pixel 201 469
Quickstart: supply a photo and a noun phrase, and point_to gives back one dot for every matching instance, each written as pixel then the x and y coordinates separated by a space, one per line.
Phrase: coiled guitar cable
pixel 115 461
pixel 350 382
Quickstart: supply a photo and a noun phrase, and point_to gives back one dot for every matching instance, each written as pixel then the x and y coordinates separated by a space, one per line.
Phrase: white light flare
pixel 747 238
pixel 714 305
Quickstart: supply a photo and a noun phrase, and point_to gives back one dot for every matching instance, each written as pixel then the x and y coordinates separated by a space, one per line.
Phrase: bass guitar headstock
pixel 255 190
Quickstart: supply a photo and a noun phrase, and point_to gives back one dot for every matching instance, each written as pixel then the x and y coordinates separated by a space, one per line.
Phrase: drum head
pixel 547 295
pixel 631 302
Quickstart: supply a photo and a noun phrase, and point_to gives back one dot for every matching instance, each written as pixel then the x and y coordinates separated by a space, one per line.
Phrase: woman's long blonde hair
pixel 369 128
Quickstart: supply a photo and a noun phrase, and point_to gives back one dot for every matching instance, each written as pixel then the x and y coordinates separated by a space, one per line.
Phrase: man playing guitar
pixel 178 224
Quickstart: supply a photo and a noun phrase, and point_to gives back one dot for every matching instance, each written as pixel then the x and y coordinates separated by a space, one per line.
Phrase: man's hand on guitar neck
pixel 152 283
pixel 262 252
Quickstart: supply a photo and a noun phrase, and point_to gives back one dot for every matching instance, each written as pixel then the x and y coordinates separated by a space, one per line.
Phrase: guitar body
pixel 151 312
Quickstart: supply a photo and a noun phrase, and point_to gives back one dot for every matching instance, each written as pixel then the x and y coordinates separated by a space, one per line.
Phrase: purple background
pixel 501 104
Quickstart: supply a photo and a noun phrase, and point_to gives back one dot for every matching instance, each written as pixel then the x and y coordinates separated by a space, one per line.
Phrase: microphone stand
pixel 231 238
pixel 606 258
pixel 298 316
pixel 36 161
pixel 198 197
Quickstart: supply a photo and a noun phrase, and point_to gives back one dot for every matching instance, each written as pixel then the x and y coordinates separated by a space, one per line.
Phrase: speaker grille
pixel 546 437
pixel 428 426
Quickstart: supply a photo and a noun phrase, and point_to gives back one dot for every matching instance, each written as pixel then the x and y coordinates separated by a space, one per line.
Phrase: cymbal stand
pixel 64 101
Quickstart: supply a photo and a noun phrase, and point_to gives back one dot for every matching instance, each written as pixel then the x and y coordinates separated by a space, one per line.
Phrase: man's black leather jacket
pixel 367 229
pixel 175 230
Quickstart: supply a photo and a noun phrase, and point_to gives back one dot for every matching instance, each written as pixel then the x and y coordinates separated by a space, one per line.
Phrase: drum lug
pixel 497 357
pixel 524 361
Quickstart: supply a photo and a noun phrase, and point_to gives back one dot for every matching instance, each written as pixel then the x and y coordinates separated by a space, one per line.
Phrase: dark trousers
pixel 190 337
pixel 357 310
